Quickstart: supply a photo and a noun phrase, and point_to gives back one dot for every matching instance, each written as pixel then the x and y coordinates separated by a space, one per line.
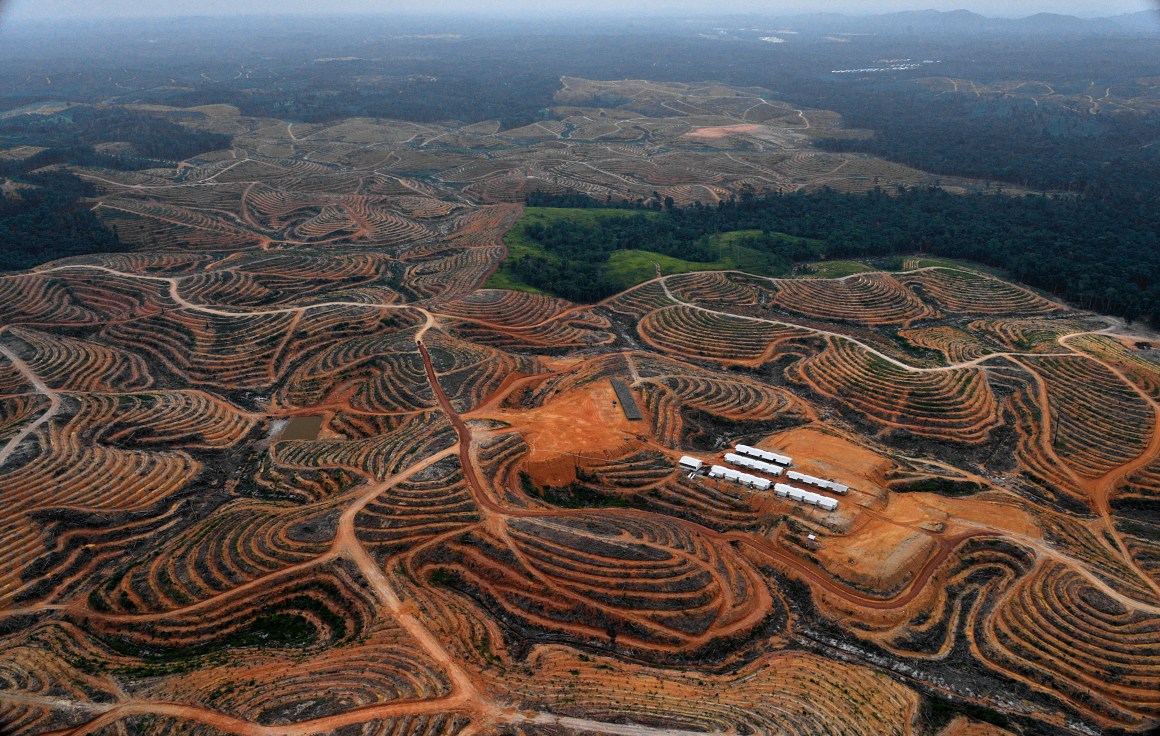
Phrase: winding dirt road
pixel 946 545
pixel 52 410
pixel 465 696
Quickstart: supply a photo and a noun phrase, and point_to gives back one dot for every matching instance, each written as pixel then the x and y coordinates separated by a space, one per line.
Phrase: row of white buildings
pixel 770 463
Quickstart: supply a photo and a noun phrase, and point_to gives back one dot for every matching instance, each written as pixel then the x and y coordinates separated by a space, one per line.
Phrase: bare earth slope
pixel 478 540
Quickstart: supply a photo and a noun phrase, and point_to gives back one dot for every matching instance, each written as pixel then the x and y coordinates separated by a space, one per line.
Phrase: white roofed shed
pixel 691 463
pixel 808 497
pixel 810 480
pixel 759 465
pixel 771 457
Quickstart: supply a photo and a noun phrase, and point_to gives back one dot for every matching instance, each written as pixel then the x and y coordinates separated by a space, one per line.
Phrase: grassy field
pixel 627 268
pixel 504 279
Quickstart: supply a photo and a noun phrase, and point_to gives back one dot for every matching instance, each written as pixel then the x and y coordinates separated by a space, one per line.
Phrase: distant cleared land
pixel 462 532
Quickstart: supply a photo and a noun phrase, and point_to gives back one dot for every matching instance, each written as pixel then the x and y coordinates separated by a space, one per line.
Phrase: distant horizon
pixel 65 10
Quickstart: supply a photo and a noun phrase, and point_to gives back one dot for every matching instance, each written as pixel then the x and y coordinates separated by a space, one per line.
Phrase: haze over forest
pixel 65 9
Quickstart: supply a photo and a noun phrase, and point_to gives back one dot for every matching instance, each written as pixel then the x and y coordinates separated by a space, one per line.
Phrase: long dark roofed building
pixel 627 400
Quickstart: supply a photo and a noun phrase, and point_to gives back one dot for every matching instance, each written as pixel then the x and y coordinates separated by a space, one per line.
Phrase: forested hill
pixel 45 221
pixel 149 138
pixel 1046 146
pixel 41 216
pixel 1101 254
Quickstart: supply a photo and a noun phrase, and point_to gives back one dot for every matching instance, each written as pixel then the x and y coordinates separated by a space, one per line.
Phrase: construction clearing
pixel 749 461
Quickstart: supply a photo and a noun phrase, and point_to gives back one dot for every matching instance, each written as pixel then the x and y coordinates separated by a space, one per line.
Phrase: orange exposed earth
pixel 477 541
pixel 574 429
pixel 829 455
pixel 722 131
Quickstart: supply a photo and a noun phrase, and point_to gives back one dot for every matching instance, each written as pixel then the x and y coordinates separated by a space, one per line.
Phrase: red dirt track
pixel 477 540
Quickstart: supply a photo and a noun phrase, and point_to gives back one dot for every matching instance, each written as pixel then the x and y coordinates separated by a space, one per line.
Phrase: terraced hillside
pixel 288 468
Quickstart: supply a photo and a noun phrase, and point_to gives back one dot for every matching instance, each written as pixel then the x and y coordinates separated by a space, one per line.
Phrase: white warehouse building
pixel 723 473
pixel 809 497
pixel 810 480
pixel 691 464
pixel 769 457
pixel 759 465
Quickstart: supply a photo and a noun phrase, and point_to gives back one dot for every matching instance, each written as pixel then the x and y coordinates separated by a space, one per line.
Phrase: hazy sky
pixel 21 9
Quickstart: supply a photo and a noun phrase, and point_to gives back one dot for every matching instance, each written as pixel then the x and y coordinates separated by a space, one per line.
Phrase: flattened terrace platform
pixel 627 400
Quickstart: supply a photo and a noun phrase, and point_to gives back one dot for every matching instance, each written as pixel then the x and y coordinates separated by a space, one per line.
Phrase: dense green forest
pixel 151 137
pixel 586 253
pixel 43 218
pixel 46 222
pixel 1099 254
pixel 1044 146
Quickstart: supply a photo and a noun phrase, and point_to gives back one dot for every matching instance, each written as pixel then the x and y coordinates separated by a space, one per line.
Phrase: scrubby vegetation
pixel 577 495
pixel 941 486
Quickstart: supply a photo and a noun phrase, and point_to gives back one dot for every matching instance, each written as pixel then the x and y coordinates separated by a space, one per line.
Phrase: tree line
pixel 42 217
pixel 1099 253
pixel 572 256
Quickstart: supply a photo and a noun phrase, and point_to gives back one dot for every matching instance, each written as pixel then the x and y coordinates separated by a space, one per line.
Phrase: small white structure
pixel 691 464
pixel 810 480
pixel 759 465
pixel 769 457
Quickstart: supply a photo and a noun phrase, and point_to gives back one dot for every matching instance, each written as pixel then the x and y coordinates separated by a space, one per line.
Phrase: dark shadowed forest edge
pixel 1047 242
pixel 1097 247
pixel 47 219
